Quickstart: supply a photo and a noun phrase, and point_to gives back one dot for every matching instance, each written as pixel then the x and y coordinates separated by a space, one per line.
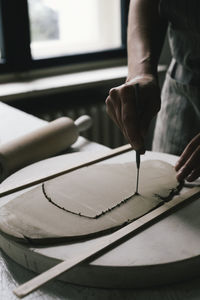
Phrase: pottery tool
pixel 105 244
pixel 138 171
pixel 42 143
pixel 138 110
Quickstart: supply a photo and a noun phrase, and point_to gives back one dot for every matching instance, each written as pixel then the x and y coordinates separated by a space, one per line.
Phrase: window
pixel 45 33
pixel 68 27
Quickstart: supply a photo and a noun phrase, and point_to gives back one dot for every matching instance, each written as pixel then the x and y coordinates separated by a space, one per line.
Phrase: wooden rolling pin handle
pixel 42 143
pixel 83 123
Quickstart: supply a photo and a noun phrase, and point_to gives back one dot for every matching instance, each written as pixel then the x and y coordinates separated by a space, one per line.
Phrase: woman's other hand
pixel 188 165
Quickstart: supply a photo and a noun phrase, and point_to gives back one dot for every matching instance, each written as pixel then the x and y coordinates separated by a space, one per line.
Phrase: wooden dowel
pixel 106 243
pixel 89 162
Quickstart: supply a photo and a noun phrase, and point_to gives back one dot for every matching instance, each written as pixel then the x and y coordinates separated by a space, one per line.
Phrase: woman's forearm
pixel 146 32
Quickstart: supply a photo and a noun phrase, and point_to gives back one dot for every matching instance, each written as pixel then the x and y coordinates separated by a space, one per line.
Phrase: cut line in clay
pixel 173 192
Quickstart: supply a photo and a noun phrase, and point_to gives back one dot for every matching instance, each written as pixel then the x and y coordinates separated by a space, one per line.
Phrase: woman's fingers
pixel 111 111
pixel 193 175
pixel 120 106
pixel 187 153
pixel 130 117
pixel 190 170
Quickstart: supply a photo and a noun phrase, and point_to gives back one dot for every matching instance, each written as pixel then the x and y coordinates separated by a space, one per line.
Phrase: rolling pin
pixel 42 143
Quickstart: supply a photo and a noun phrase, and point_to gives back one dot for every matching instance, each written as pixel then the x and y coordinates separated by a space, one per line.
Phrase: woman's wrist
pixel 143 78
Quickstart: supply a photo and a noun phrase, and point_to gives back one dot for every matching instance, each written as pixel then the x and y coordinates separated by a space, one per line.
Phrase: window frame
pixel 15 34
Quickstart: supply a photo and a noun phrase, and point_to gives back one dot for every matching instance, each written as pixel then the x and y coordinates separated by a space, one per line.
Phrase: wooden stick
pixel 89 162
pixel 105 244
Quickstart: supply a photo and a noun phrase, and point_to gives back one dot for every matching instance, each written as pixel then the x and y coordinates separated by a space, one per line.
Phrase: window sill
pixel 25 89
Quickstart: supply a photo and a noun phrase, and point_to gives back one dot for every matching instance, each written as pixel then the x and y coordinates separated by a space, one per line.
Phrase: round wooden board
pixel 166 252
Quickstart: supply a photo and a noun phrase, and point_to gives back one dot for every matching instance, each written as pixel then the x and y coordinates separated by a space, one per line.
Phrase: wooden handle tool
pixel 138 109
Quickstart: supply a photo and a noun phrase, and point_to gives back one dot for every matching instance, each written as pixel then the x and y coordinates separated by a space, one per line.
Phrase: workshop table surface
pixel 14 123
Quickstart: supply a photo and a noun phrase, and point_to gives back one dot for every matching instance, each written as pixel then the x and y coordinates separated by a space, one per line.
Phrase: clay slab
pixel 87 202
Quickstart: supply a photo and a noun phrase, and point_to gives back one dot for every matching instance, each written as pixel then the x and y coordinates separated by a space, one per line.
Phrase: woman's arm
pixel 146 32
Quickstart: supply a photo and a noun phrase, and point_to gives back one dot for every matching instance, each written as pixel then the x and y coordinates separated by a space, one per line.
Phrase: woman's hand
pixel 188 165
pixel 121 107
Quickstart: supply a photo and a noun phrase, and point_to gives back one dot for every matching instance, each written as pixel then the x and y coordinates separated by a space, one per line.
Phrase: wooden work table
pixel 14 123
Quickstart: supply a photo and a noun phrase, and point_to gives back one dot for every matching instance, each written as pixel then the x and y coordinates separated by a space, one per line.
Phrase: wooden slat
pixel 111 240
pixel 110 154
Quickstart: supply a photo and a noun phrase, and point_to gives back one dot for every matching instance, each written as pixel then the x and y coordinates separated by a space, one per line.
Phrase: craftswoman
pixel 178 122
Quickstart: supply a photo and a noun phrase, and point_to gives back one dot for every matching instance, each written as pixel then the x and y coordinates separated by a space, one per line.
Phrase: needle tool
pixel 137 152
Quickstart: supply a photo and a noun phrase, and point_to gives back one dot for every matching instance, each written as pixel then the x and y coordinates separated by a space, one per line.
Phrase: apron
pixel 179 118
